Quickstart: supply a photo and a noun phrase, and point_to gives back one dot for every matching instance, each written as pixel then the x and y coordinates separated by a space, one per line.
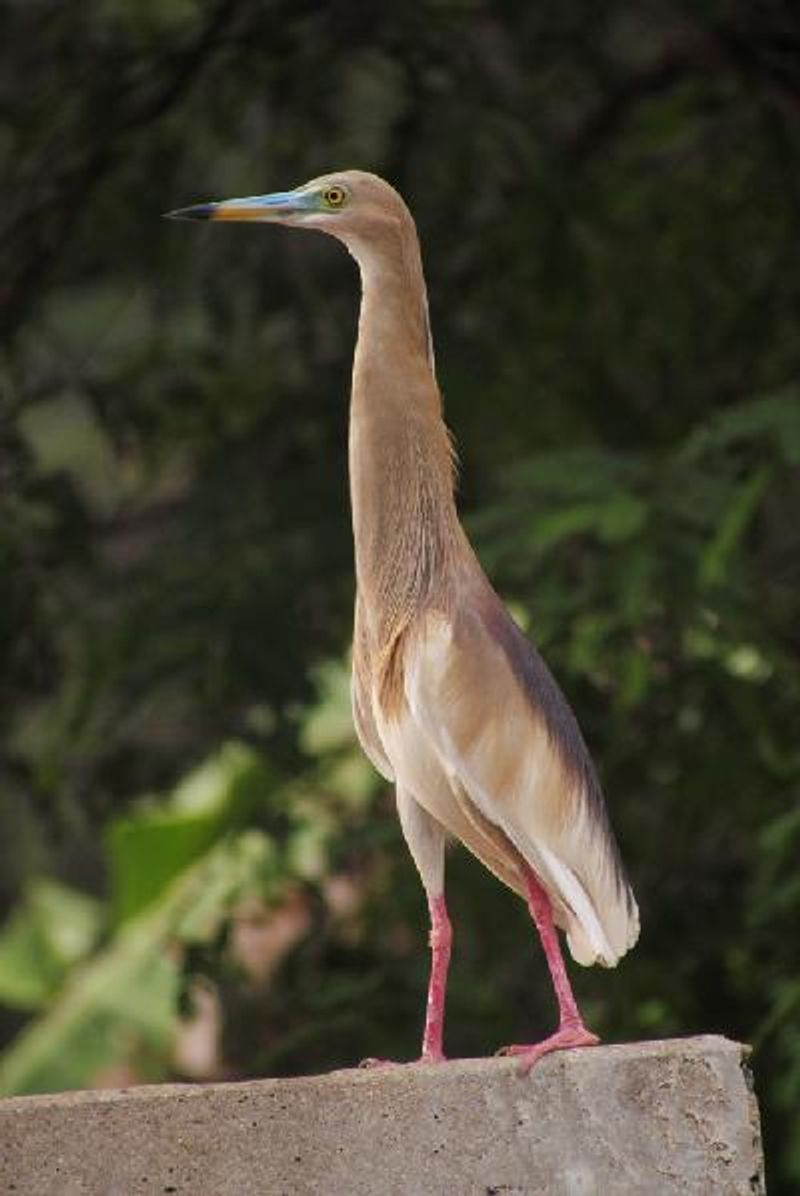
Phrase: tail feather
pixel 598 912
pixel 621 931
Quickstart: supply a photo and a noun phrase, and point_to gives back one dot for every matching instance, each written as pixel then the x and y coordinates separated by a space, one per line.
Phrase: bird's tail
pixel 619 930
pixel 594 904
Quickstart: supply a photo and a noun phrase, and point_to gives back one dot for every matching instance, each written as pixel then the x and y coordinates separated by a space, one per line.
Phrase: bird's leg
pixel 441 937
pixel 571 1031
pixel 425 839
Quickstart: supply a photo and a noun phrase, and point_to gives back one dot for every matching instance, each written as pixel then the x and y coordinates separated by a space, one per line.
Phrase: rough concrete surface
pixel 653 1117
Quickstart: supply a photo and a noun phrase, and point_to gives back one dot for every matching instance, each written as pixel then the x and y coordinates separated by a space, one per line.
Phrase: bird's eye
pixel 334 196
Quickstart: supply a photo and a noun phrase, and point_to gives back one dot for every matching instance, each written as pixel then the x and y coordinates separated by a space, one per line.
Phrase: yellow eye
pixel 334 197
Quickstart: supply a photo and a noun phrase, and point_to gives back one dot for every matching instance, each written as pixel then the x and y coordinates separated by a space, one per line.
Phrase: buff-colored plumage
pixel 439 707
pixel 451 703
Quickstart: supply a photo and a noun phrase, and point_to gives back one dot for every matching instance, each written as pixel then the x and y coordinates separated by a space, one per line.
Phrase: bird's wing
pixel 367 732
pixel 361 695
pixel 506 736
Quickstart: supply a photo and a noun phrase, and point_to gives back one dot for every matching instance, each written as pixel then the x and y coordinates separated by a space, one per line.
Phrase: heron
pixel 451 702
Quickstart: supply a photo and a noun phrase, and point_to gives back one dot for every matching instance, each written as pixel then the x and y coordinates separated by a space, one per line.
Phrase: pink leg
pixel 571 1031
pixel 441 937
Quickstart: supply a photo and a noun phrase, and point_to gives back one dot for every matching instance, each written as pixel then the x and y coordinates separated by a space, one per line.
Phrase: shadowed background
pixel 200 874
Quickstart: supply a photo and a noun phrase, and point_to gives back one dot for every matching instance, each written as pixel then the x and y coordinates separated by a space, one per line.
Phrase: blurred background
pixel 200 875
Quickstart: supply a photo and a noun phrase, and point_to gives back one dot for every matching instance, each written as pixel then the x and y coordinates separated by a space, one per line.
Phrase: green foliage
pixel 151 847
pixel 608 209
pixel 125 996
pixel 51 929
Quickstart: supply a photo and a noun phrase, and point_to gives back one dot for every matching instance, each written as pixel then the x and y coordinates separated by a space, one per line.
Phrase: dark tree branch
pixel 619 105
pixel 764 63
pixel 35 239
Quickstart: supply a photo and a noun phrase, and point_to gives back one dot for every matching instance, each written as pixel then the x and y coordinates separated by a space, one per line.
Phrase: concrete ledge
pixel 654 1118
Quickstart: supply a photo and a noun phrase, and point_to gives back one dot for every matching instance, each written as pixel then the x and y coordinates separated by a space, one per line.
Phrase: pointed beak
pixel 275 208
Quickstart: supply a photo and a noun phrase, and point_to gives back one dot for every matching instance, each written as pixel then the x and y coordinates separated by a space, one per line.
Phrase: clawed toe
pixel 565 1038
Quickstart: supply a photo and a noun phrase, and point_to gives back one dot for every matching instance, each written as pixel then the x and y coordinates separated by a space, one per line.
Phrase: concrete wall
pixel 655 1118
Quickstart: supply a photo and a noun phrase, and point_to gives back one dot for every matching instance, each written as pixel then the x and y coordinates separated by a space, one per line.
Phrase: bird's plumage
pixel 450 700
pixel 482 737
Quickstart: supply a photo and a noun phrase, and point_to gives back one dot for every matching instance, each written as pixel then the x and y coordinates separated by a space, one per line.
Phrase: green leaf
pixel 550 529
pixel 774 418
pixel 50 930
pixel 621 517
pixel 224 782
pixel 147 852
pixel 714 561
pixel 64 435
pixel 329 722
pixel 635 677
pixel 149 848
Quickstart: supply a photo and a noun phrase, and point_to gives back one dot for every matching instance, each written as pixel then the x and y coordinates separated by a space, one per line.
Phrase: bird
pixel 451 701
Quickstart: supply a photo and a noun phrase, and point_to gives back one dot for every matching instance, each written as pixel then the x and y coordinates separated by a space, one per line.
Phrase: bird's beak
pixel 266 208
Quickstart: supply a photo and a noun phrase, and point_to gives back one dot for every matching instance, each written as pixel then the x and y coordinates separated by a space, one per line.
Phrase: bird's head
pixel 352 205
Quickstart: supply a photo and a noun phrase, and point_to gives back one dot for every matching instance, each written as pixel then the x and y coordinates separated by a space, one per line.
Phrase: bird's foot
pixel 426 1057
pixel 565 1037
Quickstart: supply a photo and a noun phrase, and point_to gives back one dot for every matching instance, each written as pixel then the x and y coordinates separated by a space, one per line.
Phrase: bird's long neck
pixel 401 465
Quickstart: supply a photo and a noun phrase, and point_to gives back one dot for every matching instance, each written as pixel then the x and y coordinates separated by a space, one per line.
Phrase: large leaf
pixel 150 847
pixel 51 929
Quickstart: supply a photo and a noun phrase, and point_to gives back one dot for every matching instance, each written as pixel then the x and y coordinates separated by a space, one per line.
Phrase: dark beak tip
pixel 201 211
